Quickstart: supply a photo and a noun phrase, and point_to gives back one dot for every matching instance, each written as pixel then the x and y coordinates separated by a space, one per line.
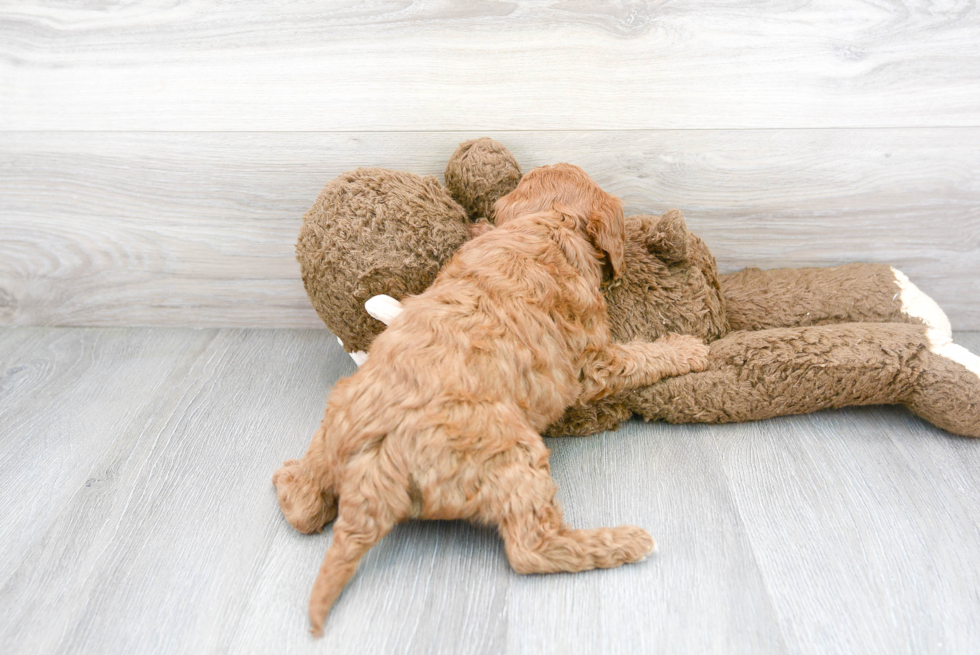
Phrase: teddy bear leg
pixel 948 389
pixel 853 293
pixel 767 373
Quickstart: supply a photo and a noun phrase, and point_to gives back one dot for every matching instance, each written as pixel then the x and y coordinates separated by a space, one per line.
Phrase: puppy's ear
pixel 607 227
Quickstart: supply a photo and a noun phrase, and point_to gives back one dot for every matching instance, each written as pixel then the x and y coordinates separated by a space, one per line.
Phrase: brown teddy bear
pixel 785 341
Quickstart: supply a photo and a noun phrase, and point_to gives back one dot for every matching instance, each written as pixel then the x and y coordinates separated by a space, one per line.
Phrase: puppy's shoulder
pixel 506 241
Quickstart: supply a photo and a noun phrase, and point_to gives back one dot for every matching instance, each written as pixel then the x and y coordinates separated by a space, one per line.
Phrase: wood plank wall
pixel 156 157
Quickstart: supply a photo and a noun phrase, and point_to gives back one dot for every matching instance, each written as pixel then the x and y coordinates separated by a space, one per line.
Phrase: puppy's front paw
pixel 287 467
pixel 692 352
pixel 633 543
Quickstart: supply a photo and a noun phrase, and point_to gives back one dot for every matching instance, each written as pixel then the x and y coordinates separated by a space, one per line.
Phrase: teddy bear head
pixel 376 231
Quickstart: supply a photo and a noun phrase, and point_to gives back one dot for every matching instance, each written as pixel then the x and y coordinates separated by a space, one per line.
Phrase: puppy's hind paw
pixel 302 499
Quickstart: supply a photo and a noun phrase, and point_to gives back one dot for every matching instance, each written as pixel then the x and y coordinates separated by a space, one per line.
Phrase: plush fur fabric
pixel 670 283
pixel 947 393
pixel 443 421
pixel 479 173
pixel 797 341
pixel 760 374
pixel 370 232
pixel 788 297
pixel 757 375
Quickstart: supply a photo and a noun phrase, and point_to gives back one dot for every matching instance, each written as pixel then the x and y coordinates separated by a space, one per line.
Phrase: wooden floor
pixel 138 516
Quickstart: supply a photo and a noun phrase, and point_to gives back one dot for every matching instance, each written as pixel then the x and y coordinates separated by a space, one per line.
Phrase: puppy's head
pixel 305 500
pixel 569 190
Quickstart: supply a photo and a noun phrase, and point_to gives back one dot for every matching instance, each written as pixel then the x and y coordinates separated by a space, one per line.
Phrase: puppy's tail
pixel 354 533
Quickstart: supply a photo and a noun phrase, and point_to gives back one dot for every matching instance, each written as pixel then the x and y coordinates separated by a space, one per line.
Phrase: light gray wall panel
pixel 493 64
pixel 189 229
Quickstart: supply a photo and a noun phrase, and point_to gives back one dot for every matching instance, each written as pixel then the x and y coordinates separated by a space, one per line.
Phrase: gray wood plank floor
pixel 138 516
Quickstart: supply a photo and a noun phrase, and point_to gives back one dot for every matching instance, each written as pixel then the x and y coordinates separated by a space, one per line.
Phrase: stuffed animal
pixel 785 341
pixel 375 231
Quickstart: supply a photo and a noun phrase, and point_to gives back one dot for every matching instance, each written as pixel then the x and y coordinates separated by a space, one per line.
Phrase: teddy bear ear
pixel 480 172
pixel 667 237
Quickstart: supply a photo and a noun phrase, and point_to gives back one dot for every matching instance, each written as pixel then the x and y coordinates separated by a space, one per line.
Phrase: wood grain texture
pixel 156 527
pixel 59 398
pixel 492 64
pixel 187 229
pixel 702 591
pixel 875 556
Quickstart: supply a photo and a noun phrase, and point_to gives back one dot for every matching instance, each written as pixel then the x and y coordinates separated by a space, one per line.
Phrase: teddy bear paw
pixel 918 305
pixel 960 355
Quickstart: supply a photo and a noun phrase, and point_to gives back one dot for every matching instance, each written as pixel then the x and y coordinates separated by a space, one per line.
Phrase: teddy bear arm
pixel 755 375
pixel 796 297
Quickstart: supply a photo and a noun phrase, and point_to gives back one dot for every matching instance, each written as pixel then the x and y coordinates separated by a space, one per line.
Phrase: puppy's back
pixel 501 323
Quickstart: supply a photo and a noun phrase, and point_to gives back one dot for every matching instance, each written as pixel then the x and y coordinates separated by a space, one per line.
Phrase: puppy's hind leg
pixel 536 539
pixel 303 486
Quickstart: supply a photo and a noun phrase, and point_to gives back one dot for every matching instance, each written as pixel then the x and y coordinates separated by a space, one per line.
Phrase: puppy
pixel 444 419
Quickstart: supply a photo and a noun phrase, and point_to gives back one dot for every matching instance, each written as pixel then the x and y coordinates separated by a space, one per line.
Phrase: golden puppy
pixel 444 419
